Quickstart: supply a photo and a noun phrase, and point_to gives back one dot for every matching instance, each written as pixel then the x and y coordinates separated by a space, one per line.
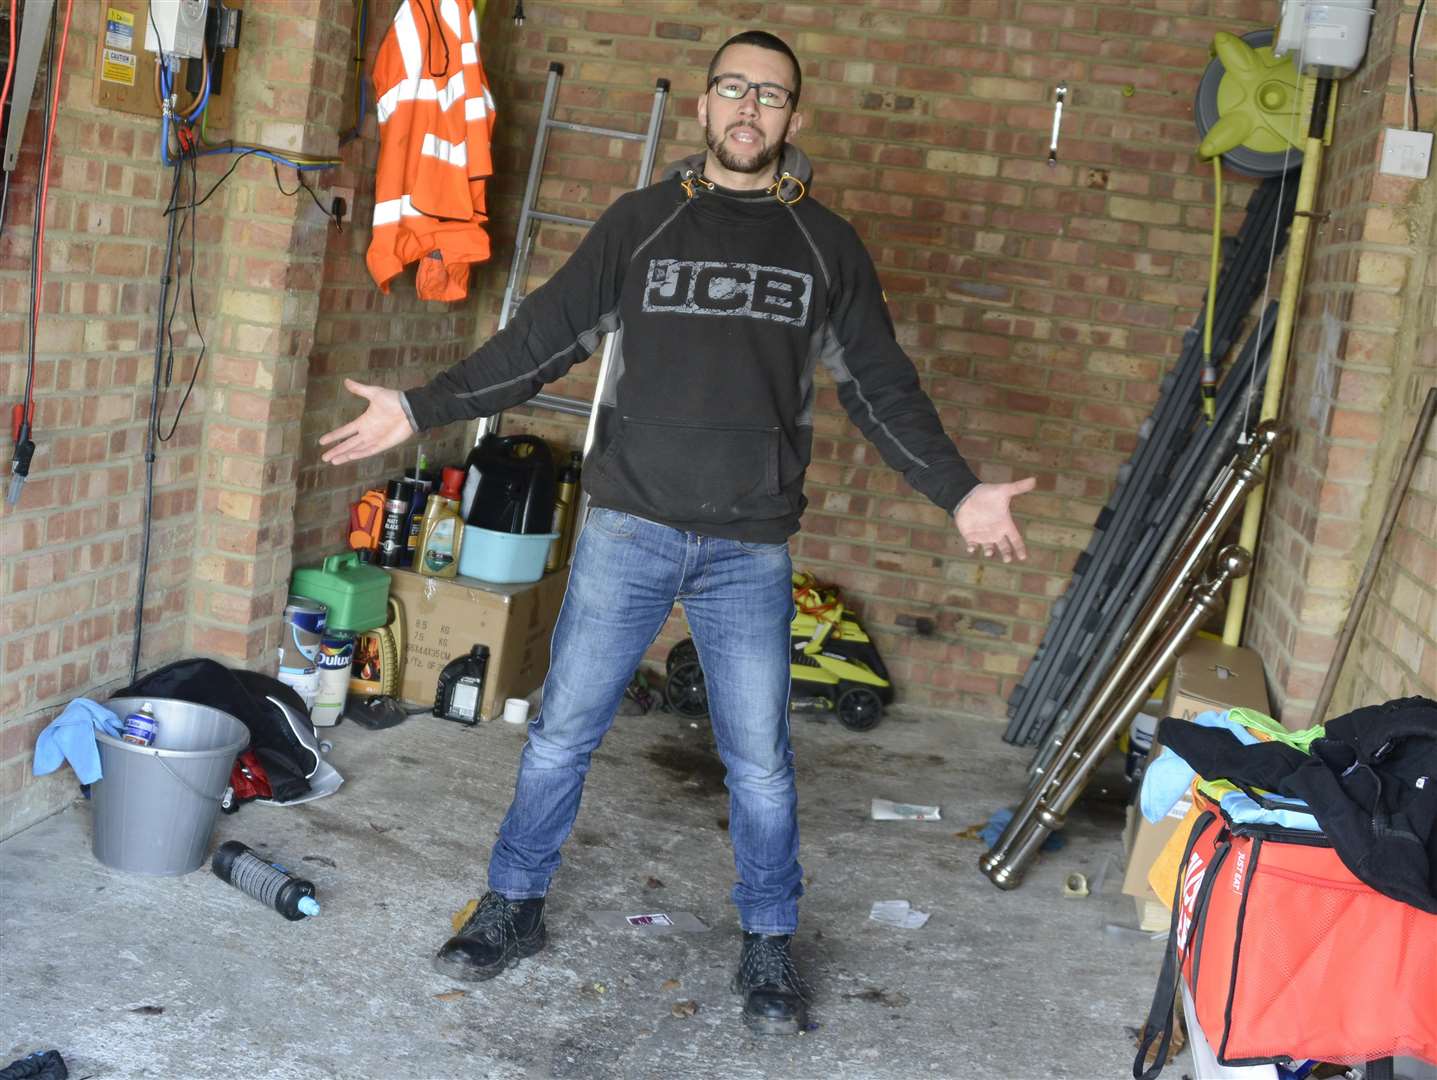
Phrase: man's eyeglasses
pixel 735 88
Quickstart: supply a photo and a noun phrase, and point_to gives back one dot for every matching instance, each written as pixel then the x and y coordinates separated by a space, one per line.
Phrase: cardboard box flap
pixel 1218 676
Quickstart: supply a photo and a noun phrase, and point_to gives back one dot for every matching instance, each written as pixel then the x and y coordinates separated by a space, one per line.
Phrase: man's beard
pixel 761 160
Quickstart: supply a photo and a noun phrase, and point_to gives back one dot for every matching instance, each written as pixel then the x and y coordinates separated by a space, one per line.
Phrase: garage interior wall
pixel 1041 305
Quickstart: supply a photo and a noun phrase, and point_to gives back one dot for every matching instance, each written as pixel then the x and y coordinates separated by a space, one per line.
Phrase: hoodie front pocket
pixel 698 471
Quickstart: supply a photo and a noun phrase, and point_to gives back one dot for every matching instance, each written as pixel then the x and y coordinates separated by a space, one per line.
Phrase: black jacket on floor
pixel 1371 782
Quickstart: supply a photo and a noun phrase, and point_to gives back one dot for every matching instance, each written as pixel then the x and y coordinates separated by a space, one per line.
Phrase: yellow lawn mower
pixel 834 664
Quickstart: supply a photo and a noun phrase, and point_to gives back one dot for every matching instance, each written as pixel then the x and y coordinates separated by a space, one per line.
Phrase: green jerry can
pixel 355 593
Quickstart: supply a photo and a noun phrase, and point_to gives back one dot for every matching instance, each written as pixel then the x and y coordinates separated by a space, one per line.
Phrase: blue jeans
pixel 738 598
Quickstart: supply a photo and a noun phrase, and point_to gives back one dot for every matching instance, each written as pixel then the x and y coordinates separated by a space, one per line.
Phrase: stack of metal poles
pixel 1181 599
pixel 1170 468
pixel 1129 582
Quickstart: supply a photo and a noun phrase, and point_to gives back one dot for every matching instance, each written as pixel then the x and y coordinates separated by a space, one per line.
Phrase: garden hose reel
pixel 1248 106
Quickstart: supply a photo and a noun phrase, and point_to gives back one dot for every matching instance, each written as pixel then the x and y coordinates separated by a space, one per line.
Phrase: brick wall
pixel 1395 652
pixel 238 486
pixel 1363 359
pixel 391 339
pixel 71 547
pixel 1040 304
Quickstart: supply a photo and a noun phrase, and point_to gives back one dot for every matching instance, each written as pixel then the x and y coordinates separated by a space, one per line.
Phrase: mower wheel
pixel 685 652
pixel 686 691
pixel 859 708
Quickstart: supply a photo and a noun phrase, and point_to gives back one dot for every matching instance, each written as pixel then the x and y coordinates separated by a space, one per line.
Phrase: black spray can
pixel 237 865
pixel 394 532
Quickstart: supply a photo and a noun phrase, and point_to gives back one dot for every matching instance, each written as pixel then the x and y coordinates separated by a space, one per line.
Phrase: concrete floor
pixel 186 977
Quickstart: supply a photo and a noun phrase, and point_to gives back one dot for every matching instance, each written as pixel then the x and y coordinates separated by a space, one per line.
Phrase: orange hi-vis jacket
pixel 436 116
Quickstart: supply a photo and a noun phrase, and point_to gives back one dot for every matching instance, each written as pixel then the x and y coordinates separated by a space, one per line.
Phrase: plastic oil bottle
pixel 442 531
pixel 460 692
pixel 566 505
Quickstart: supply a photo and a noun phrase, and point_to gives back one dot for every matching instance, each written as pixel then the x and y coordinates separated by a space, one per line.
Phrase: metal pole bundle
pixel 1164 448
pixel 1140 663
pixel 1046 810
pixel 1189 483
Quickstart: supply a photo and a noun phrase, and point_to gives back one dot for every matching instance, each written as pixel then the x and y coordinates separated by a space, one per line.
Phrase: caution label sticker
pixel 118 66
pixel 119 30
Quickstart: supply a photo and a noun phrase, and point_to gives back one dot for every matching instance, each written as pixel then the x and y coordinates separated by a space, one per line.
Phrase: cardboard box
pixel 1208 675
pixel 445 617
pixel 1143 841
pixel 1211 675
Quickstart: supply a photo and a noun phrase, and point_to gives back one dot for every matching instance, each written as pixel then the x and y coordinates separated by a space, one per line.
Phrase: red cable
pixel 10 66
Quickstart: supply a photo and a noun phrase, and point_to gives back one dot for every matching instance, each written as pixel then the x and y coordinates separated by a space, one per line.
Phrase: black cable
pixel 153 426
pixel 172 309
pixel 188 222
pixel 233 165
pixel 1412 65
pixel 194 314
pixel 1321 102
pixel 418 5
pixel 299 176
pixel 361 33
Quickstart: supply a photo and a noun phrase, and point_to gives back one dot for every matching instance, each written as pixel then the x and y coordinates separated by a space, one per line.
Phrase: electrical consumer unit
pixel 1328 36
pixel 180 25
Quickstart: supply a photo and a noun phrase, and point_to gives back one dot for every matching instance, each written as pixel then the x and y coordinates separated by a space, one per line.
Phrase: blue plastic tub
pixel 503 558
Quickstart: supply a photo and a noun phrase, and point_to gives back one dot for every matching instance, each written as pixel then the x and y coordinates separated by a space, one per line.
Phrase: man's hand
pixel 378 428
pixel 984 520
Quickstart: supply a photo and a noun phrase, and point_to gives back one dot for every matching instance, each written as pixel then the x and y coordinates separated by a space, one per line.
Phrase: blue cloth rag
pixel 999 821
pixel 1241 808
pixel 71 737
pixel 1167 778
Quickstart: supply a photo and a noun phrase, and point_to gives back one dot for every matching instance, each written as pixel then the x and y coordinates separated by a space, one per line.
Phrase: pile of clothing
pixel 1367 780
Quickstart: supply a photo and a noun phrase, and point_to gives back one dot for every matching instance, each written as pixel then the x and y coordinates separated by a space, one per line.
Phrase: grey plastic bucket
pixel 154 808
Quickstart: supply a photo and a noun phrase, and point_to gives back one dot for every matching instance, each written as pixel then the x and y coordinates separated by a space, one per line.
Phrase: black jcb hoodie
pixel 724 303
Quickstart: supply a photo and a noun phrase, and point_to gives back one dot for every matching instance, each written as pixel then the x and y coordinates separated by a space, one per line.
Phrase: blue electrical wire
pixel 166 86
pixel 362 106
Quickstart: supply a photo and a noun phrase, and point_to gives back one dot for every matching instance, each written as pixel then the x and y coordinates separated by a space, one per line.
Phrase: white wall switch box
pixel 1406 153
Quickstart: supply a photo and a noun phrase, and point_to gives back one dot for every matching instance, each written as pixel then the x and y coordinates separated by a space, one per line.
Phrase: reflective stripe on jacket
pixel 436 116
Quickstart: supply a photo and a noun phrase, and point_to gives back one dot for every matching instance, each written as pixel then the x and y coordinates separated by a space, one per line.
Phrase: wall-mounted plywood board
pixel 125 71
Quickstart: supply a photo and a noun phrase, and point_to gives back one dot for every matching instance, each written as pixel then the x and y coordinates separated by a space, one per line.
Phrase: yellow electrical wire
pixel 230 144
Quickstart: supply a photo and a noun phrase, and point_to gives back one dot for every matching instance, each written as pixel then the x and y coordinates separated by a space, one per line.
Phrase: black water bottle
pixel 238 865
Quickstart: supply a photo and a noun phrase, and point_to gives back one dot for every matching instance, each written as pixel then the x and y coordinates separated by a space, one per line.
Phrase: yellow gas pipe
pixel 1312 90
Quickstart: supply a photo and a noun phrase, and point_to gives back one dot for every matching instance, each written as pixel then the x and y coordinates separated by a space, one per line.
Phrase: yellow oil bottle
pixel 442 531
pixel 566 505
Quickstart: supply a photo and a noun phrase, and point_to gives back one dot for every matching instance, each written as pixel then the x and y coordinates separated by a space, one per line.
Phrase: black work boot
pixel 499 932
pixel 775 997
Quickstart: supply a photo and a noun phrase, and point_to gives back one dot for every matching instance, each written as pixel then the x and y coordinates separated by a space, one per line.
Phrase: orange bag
pixel 1289 957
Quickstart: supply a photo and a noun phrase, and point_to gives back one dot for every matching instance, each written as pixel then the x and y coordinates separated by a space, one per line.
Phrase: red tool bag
pixel 1289 957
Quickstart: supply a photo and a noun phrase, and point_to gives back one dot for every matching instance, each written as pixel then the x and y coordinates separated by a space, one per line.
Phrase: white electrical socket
pixel 1406 153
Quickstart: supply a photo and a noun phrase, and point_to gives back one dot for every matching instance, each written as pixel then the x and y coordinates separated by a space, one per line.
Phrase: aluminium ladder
pixel 529 221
